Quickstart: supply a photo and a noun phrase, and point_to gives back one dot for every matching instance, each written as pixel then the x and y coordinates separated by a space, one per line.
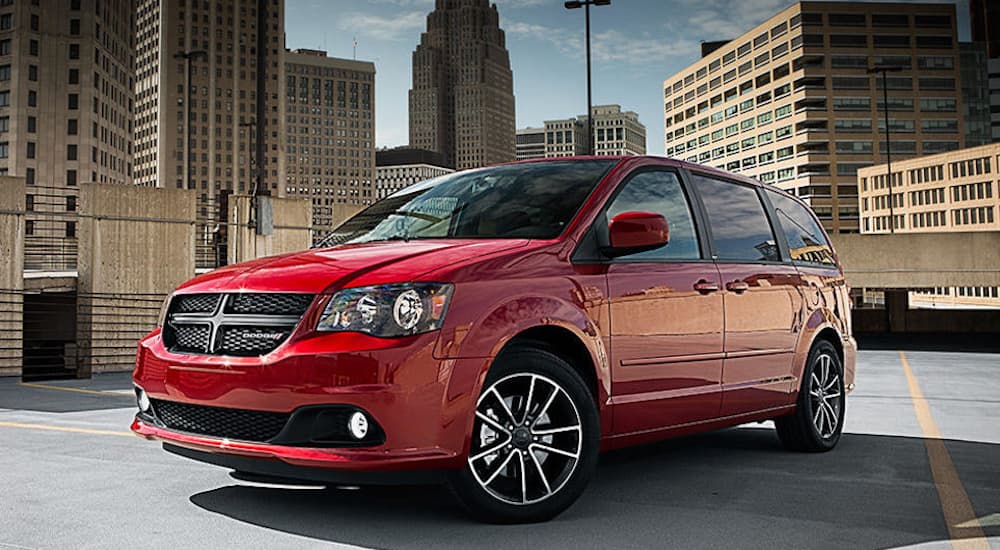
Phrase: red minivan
pixel 496 329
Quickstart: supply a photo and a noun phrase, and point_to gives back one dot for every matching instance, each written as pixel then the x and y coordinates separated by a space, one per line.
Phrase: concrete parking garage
pixel 919 465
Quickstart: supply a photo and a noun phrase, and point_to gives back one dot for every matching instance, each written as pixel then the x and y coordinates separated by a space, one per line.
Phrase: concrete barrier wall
pixel 920 260
pixel 292 228
pixel 136 245
pixel 11 274
pixel 931 320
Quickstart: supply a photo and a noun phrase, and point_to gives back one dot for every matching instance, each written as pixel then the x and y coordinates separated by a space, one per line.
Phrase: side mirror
pixel 632 232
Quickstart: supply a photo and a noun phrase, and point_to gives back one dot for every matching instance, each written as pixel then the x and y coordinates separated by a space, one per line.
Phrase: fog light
pixel 358 425
pixel 142 399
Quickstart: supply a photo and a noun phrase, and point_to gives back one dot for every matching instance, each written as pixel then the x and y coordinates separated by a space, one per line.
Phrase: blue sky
pixel 636 45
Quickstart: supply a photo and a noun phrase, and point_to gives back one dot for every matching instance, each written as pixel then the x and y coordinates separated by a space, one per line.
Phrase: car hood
pixel 316 270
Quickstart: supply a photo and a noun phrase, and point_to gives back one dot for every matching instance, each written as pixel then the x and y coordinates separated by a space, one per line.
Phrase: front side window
pixel 739 226
pixel 660 192
pixel 806 240
pixel 518 201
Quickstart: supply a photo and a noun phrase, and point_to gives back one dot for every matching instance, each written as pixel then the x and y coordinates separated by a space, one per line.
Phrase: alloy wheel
pixel 825 392
pixel 527 439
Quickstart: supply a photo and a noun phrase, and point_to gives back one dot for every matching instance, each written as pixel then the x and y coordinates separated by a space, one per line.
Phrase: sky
pixel 636 44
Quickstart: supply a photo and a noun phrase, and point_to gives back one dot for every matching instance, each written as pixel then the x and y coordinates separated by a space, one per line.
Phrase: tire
pixel 814 427
pixel 508 440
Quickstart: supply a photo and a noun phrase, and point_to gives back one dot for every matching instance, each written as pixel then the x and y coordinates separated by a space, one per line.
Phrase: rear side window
pixel 660 192
pixel 739 226
pixel 806 240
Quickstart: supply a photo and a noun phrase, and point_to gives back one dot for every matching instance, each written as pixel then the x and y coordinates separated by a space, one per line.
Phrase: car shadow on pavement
pixel 729 488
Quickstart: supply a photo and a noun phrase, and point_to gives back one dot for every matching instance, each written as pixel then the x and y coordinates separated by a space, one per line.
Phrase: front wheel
pixel 816 424
pixel 534 441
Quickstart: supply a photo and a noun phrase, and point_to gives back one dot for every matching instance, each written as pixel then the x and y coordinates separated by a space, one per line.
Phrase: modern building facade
pixel 66 100
pixel 975 93
pixel 462 99
pixel 790 102
pixel 329 135
pixel 403 166
pixel 236 119
pixel 948 192
pixel 530 143
pixel 953 191
pixel 984 18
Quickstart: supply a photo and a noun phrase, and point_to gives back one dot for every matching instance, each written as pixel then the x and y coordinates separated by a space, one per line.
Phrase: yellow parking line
pixel 29 426
pixel 77 390
pixel 963 527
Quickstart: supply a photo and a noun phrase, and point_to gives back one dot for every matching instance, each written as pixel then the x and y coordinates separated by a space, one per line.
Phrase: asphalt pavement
pixel 919 464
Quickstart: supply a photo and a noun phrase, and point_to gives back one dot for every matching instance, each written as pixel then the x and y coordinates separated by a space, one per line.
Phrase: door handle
pixel 706 287
pixel 738 287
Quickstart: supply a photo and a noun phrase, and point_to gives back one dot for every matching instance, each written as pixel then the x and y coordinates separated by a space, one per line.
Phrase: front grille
pixel 251 340
pixel 269 304
pixel 257 426
pixel 191 338
pixel 240 324
pixel 195 303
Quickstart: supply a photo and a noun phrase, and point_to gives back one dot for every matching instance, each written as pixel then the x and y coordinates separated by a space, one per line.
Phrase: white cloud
pixel 401 26
pixel 608 46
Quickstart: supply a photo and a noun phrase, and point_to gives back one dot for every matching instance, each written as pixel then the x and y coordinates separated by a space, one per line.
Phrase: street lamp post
pixel 187 57
pixel 585 4
pixel 888 136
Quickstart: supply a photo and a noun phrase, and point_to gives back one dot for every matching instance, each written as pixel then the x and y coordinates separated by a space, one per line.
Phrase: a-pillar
pixel 897 304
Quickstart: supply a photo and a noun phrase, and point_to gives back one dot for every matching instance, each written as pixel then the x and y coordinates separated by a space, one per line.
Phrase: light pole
pixel 888 135
pixel 187 57
pixel 585 4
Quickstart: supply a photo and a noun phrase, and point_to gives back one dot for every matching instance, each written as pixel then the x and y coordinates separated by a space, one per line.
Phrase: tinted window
pixel 660 192
pixel 740 230
pixel 516 201
pixel 806 240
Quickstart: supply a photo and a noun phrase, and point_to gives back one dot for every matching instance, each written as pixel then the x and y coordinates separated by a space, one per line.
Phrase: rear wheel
pixel 816 424
pixel 534 440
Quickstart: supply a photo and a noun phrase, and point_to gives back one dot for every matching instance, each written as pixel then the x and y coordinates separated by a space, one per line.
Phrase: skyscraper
pixel 65 112
pixel 235 119
pixel 462 100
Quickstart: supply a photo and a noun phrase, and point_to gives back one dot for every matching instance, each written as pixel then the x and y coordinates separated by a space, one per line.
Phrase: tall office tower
pixel 462 100
pixel 330 135
pixel 790 102
pixel 616 132
pixel 984 18
pixel 232 51
pixel 65 112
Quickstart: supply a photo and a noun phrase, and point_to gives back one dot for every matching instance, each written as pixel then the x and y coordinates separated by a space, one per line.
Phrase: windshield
pixel 522 201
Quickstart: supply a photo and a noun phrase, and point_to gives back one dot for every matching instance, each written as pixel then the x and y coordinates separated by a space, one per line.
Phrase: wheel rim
pixel 825 392
pixel 526 439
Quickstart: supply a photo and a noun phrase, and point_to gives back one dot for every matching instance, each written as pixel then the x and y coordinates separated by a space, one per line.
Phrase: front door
pixel 666 316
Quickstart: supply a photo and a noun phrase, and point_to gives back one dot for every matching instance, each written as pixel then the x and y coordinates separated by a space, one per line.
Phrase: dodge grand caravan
pixel 496 329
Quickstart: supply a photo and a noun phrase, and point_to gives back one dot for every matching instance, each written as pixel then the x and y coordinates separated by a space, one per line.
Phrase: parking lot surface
pixel 919 464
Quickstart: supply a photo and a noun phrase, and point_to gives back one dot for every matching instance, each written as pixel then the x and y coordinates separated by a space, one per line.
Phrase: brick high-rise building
pixel 462 100
pixel 236 118
pixel 790 102
pixel 330 135
pixel 66 80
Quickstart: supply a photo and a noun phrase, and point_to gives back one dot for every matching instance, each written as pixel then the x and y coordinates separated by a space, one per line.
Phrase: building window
pixel 31 149
pixel 71 127
pixel 32 98
pixel 29 176
pixel 71 229
pixel 4 149
pixel 6 22
pixel 74 27
pixel 71 178
pixel 4 73
pixel 33 48
pixel 71 152
pixel 33 73
pixel 32 124
pixel 74 76
pixel 5 47
pixel 74 51
pixel 74 102
pixel 71 203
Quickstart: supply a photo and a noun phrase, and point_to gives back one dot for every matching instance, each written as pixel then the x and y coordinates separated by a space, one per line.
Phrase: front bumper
pixel 424 405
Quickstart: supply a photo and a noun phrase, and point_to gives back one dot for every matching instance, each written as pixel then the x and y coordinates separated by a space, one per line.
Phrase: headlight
pixel 387 310
pixel 163 310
